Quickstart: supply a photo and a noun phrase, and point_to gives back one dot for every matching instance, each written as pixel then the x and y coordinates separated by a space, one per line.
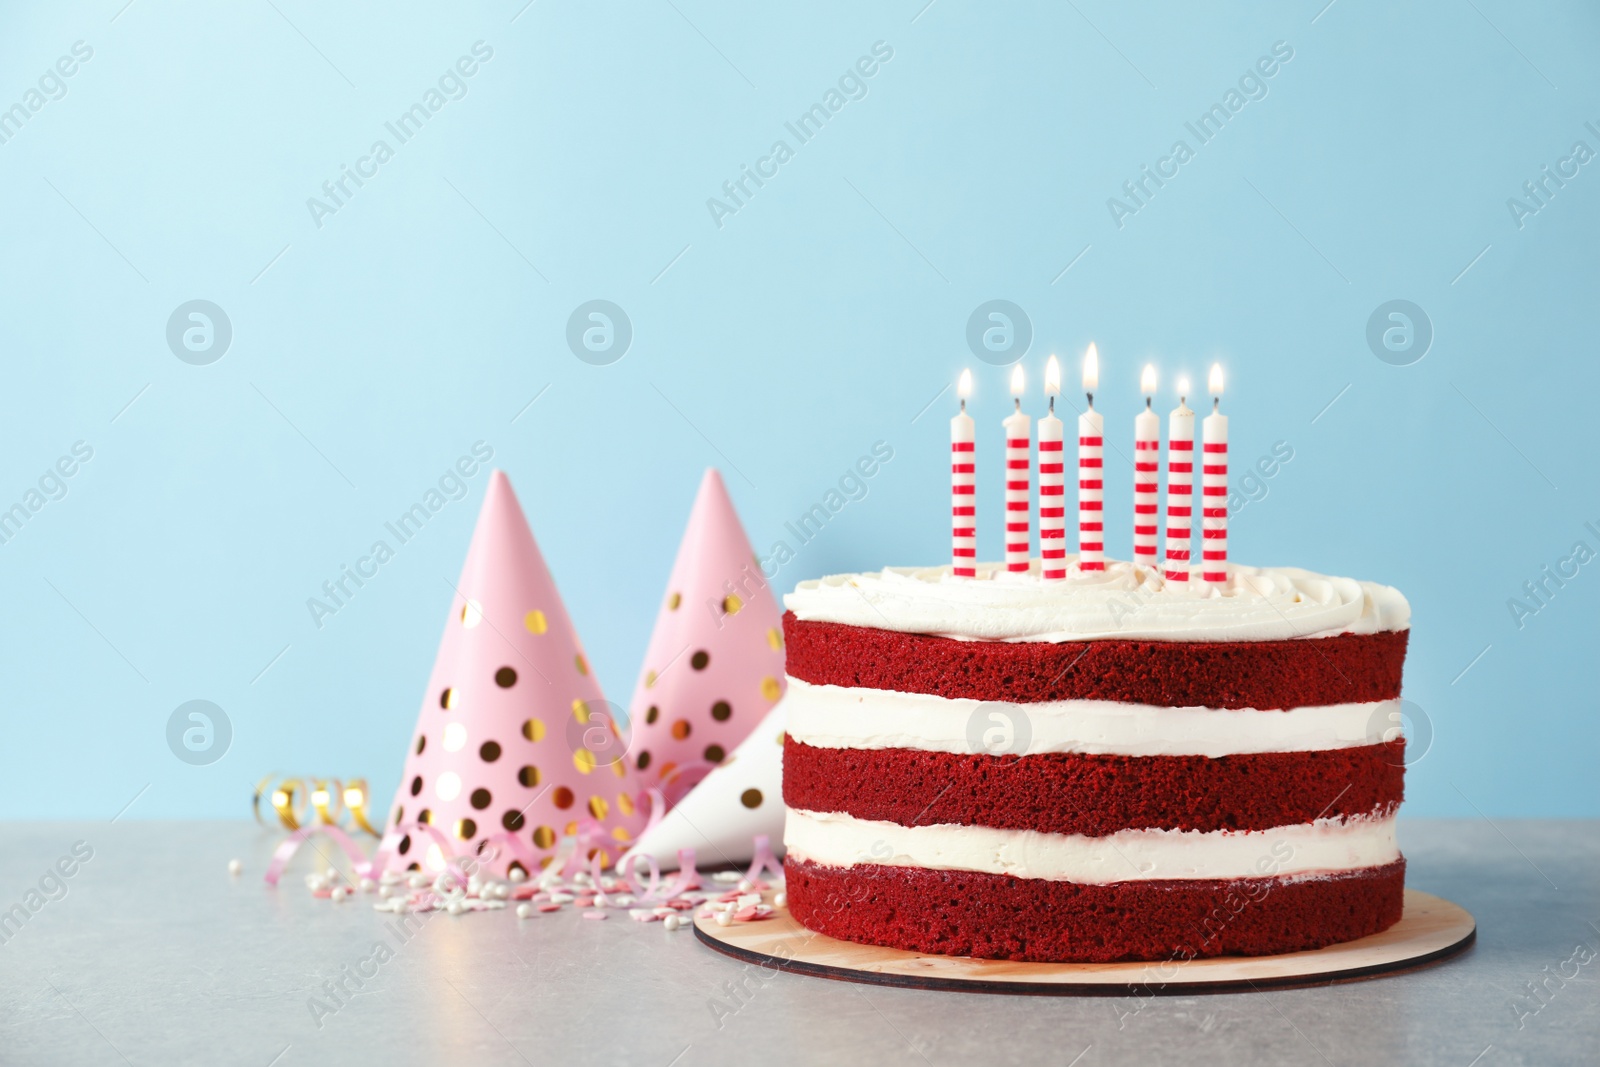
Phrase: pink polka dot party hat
pixel 515 747
pixel 714 666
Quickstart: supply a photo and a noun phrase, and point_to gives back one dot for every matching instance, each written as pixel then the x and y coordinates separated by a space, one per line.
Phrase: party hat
pixel 738 799
pixel 515 747
pixel 715 662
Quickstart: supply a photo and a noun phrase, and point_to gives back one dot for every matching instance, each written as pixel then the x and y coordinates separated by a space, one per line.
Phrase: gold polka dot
pixel 750 798
pixel 598 807
pixel 680 729
pixel 536 624
pixel 528 776
pixel 625 804
pixel 533 729
pixel 649 679
pixel 781 735
pixel 775 639
pixel 544 837
pixel 577 661
pixel 466 829
pixel 447 699
pixel 572 829
pixel 621 834
pixel 731 604
pixel 673 601
pixel 770 688
pixel 619 769
pixel 562 797
pixel 583 759
pixel 580 710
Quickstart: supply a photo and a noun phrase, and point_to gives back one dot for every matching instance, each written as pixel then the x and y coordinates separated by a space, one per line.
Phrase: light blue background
pixel 371 352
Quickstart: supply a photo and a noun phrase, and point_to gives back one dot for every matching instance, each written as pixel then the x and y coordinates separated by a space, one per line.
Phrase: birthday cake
pixel 1108 767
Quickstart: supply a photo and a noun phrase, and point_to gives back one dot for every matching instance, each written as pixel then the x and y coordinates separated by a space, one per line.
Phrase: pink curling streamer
pixel 688 878
pixel 388 849
pixel 291 844
pixel 763 861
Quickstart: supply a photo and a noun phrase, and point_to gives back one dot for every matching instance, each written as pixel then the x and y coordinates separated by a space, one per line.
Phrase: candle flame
pixel 1052 377
pixel 1147 380
pixel 964 386
pixel 1215 381
pixel 1091 369
pixel 1183 386
pixel 1016 381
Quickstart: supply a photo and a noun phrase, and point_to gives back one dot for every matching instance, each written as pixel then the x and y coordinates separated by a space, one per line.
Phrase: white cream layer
pixel 831 716
pixel 1303 850
pixel 1124 601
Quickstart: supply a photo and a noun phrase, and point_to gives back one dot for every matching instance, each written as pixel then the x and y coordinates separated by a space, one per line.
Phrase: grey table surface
pixel 150 953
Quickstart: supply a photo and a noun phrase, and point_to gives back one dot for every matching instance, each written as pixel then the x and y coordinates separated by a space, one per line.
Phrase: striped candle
pixel 1146 474
pixel 1180 485
pixel 1214 514
pixel 1091 470
pixel 1052 484
pixel 1017 426
pixel 963 486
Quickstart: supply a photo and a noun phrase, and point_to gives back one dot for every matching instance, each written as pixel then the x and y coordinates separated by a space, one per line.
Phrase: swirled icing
pixel 1125 602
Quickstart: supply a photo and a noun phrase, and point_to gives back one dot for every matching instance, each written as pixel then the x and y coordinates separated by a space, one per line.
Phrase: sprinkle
pixel 338 894
pixel 594 915
pixel 549 907
pixel 744 885
pixel 781 899
pixel 726 876
pixel 562 898
pixel 518 875
pixel 748 899
pixel 234 867
pixel 724 918
pixel 672 922
pixel 524 911
pixel 368 885
pixel 744 914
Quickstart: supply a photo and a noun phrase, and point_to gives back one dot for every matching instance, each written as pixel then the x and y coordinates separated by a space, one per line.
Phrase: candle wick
pixel 1019 403
pixel 1216 402
pixel 1147 402
pixel 963 405
pixel 1091 400
pixel 1052 405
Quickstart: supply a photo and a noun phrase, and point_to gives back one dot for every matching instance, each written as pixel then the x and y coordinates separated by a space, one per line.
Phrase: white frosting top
pixel 1124 601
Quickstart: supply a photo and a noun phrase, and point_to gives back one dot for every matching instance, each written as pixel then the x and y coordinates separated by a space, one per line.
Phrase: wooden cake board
pixel 1430 930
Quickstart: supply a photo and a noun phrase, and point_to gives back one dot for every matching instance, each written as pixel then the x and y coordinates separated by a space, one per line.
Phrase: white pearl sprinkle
pixel 671 922
pixel 724 918
pixel 524 910
pixel 744 885
pixel 780 898
pixel 338 895
pixel 457 907
pixel 368 885
pixel 518 875
pixel 331 874
pixel 234 867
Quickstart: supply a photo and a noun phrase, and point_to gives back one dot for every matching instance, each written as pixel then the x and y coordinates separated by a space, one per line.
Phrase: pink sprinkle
pixel 549 907
pixel 524 892
pixel 745 914
pixel 322 894
pixel 729 897
pixel 681 905
pixel 584 902
pixel 594 915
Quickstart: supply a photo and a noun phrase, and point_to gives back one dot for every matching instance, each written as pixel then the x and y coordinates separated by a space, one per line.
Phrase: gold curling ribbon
pixel 328 799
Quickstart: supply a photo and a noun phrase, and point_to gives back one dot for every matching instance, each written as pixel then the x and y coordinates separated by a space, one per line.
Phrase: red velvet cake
pixel 1098 769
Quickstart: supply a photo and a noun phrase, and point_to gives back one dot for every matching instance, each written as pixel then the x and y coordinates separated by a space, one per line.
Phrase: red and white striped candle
pixel 1052 484
pixel 1091 471
pixel 1180 485
pixel 963 486
pixel 1017 427
pixel 1214 514
pixel 1146 474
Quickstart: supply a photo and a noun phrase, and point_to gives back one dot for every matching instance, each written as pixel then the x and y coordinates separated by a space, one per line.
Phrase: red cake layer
pixel 1070 793
pixel 1349 668
pixel 996 916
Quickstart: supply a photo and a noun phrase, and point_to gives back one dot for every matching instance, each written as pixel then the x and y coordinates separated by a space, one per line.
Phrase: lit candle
pixel 963 513
pixel 1016 427
pixel 1214 516
pixel 1052 483
pixel 1091 463
pixel 1180 485
pixel 1146 474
